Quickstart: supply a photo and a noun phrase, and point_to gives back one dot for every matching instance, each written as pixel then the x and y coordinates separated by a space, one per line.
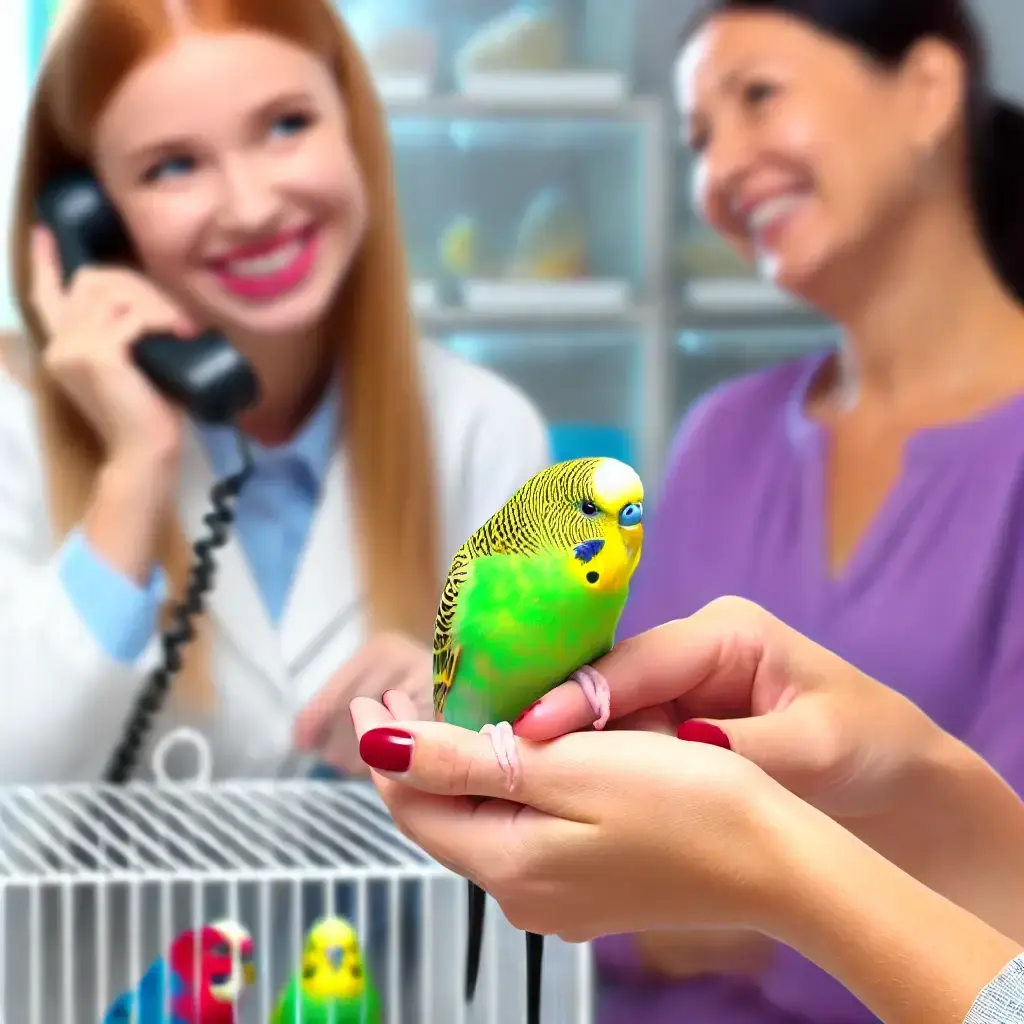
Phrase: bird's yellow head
pixel 332 961
pixel 611 508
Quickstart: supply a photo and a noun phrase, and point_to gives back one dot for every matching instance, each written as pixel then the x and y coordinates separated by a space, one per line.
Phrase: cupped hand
pixel 388 662
pixel 609 832
pixel 735 676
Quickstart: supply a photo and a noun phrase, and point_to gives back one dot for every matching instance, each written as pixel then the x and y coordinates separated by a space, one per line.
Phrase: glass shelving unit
pixel 533 182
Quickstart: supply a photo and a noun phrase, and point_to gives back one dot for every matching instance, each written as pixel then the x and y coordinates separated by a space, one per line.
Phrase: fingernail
pixel 695 731
pixel 387 749
pixel 525 713
pixel 384 697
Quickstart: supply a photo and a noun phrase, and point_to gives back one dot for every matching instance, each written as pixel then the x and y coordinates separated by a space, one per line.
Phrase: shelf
pixel 403 97
pixel 397 90
pixel 548 298
pixel 725 295
pixel 767 344
pixel 547 89
pixel 435 314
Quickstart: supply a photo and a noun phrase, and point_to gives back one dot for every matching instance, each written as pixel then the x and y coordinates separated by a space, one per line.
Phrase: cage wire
pixel 97 881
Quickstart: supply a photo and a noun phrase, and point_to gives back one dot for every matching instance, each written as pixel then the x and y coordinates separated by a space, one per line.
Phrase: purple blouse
pixel 932 603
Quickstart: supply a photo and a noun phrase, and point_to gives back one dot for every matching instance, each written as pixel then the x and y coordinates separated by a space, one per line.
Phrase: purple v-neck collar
pixel 810 439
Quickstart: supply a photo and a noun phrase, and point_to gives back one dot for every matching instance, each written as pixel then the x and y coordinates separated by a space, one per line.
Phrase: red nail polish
pixel 695 731
pixel 387 749
pixel 525 713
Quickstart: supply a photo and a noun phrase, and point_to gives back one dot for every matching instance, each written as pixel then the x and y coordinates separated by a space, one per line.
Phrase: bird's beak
pixel 249 973
pixel 335 956
pixel 633 538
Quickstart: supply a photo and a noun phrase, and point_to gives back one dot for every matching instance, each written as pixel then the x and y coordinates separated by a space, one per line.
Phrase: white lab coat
pixel 64 701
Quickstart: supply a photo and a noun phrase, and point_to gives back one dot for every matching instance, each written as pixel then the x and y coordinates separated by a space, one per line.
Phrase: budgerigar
pixel 192 985
pixel 532 598
pixel 333 985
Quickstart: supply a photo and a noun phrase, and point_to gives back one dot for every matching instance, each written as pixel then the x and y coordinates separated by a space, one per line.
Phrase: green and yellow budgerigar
pixel 333 985
pixel 532 598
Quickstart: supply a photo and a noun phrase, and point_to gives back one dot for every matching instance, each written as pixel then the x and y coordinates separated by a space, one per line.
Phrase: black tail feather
pixel 534 962
pixel 475 938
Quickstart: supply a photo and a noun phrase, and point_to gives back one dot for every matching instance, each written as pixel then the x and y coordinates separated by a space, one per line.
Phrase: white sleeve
pixel 1002 1000
pixel 510 443
pixel 64 699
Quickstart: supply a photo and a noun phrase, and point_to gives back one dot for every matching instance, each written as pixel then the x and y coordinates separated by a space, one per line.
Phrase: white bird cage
pixel 95 882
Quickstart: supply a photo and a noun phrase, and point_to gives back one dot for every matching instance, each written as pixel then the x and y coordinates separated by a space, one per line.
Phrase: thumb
pixel 793 745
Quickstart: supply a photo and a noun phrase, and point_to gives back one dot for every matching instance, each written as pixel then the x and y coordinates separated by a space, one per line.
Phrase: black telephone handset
pixel 206 375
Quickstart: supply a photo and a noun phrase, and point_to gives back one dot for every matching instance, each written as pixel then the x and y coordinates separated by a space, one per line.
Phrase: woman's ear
pixel 934 83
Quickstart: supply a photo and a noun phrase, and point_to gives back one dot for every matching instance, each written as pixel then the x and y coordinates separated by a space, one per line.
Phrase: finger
pixel 400 704
pixel 163 313
pixel 448 761
pixel 655 719
pixel 47 282
pixel 799 746
pixel 665 664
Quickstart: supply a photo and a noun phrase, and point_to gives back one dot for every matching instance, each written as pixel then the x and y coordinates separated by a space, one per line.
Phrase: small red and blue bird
pixel 199 981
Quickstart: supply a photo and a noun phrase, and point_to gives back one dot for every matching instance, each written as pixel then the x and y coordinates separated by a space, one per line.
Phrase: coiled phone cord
pixel 154 695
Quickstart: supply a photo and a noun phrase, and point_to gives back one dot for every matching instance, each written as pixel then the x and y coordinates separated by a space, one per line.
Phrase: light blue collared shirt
pixel 274 514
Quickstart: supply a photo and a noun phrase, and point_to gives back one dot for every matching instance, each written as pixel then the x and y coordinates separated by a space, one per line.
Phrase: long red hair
pixel 385 427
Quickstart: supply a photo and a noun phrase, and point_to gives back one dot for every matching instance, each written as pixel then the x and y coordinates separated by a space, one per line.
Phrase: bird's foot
pixel 596 689
pixel 504 742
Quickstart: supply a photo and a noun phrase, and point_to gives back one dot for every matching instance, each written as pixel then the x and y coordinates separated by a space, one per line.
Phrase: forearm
pixel 908 953
pixel 697 952
pixel 958 828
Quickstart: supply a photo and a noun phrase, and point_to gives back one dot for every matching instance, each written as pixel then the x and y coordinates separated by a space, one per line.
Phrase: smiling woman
pixel 244 148
pixel 874 497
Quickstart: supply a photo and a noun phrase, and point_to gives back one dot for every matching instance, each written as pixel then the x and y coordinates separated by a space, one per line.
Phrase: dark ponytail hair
pixel 886 30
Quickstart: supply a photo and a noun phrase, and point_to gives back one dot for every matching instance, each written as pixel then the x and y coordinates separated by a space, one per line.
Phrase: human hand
pixel 580 853
pixel 388 663
pixel 91 327
pixel 825 730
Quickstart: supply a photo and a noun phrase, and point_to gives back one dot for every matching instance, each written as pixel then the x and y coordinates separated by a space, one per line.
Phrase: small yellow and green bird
pixel 532 598
pixel 333 985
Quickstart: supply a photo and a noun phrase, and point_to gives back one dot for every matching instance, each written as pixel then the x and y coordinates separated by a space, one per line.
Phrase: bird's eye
pixel 220 949
pixel 309 971
pixel 588 508
pixel 631 514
